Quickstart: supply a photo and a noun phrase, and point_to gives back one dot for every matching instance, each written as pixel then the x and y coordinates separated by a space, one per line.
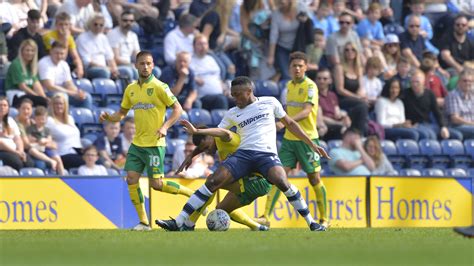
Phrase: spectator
pixel 382 164
pixel 125 46
pixel 198 168
pixel 338 40
pixel 141 8
pixel 90 167
pixel 460 104
pixel 404 73
pixel 11 145
pixel 80 11
pixel 456 48
pixel 179 39
pixel 336 120
pixel 22 7
pixel 95 50
pixel 62 33
pixel 109 146
pixel 321 19
pixel 215 26
pixel 64 132
pixel 9 16
pixel 28 32
pixel 284 24
pixel 429 65
pixel 199 7
pixel 417 8
pixel 390 56
pixel 370 29
pixel 23 74
pixel 419 103
pixel 370 81
pixel 255 24
pixel 207 76
pixel 55 76
pixel 352 97
pixel 3 55
pixel 390 113
pixel 351 158
pixel 128 132
pixel 411 41
pixel 180 78
pixel 315 50
pixel 41 141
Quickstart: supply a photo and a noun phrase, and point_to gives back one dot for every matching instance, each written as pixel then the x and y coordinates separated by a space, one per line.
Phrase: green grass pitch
pixel 237 247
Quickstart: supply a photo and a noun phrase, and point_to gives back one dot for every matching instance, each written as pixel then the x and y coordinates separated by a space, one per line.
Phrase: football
pixel 218 220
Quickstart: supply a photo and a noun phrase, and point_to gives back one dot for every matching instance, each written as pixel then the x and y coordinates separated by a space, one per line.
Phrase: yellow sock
pixel 195 216
pixel 175 188
pixel 320 191
pixel 137 200
pixel 272 198
pixel 242 218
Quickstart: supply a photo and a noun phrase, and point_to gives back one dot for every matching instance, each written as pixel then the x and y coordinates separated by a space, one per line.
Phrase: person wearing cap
pixel 29 32
pixel 390 55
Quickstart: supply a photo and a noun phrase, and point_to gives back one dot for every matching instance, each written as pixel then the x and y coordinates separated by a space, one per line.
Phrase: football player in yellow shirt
pixel 302 105
pixel 148 97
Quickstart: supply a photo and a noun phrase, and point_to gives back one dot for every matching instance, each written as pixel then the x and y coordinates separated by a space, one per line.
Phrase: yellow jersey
pixel 224 149
pixel 298 94
pixel 52 36
pixel 149 101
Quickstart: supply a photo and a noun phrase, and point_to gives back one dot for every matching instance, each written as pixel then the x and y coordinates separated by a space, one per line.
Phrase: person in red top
pixel 336 120
pixel 429 65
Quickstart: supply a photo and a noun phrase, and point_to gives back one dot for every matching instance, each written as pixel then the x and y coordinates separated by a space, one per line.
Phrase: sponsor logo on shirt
pixel 253 119
pixel 143 106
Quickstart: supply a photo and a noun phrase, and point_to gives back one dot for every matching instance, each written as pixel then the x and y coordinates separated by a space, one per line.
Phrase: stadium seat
pixel 200 117
pixel 31 171
pixel 456 172
pixel 282 84
pixel 82 115
pixel 73 171
pixel 91 136
pixel 104 89
pixel 217 115
pixel 173 144
pixel 410 172
pixel 184 115
pixel 431 149
pixel 470 172
pixel 267 88
pixel 388 147
pixel 13 112
pixel 111 171
pixel 86 142
pixel 334 143
pixel 432 172
pixel 177 131
pixel 455 149
pixel 469 147
pixel 84 84
pixel 409 148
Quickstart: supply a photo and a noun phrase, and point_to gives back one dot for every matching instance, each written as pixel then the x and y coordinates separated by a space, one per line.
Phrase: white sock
pixel 195 202
pixel 294 197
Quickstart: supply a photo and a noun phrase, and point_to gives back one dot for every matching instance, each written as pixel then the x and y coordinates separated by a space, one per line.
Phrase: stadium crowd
pixel 397 74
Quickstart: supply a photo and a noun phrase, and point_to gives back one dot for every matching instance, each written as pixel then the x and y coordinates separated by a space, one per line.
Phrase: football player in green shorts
pixel 240 193
pixel 302 106
pixel 148 97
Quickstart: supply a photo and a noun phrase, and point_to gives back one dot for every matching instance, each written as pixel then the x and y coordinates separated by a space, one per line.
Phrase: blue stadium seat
pixel 267 88
pixel 84 84
pixel 282 84
pixel 431 149
pixel 73 171
pixel 432 172
pixel 82 115
pixel 31 171
pixel 409 148
pixel 173 144
pixel 184 115
pixel 470 172
pixel 410 172
pixel 111 171
pixel 469 147
pixel 13 112
pixel 86 142
pixel 388 147
pixel 456 172
pixel 217 115
pixel 91 136
pixel 104 89
pixel 334 143
pixel 200 117
pixel 455 149
pixel 177 131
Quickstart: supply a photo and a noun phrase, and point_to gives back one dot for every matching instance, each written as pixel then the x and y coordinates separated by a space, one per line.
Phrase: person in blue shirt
pixel 370 29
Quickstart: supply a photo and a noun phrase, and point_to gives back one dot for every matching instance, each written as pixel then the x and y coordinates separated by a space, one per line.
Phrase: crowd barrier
pixel 353 202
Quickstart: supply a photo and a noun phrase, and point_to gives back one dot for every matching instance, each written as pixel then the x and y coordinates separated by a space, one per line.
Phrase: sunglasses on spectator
pixel 414 26
pixel 345 22
pixel 462 25
pixel 128 20
pixel 392 44
pixel 349 50
pixel 322 78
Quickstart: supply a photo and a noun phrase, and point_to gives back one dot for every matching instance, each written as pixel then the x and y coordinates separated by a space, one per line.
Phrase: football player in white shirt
pixel 254 118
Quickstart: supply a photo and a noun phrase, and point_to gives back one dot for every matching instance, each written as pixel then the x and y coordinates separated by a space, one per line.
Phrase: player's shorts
pixel 252 187
pixel 292 151
pixel 244 162
pixel 153 158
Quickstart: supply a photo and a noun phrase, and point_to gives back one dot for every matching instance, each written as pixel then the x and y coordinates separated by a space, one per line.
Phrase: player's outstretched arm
pixel 294 128
pixel 115 117
pixel 224 134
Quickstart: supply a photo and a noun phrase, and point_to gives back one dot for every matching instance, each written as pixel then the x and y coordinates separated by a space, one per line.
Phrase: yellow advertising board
pixel 419 202
pixel 47 203
pixel 346 203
